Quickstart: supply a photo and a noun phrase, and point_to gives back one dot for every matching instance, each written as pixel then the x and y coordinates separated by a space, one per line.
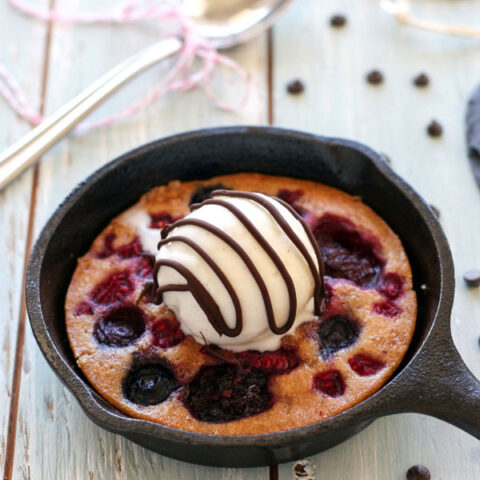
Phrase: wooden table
pixel 43 432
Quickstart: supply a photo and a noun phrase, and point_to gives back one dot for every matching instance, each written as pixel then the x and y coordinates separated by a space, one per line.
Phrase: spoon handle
pixel 15 159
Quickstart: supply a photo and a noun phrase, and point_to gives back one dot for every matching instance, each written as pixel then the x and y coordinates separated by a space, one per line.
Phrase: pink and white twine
pixel 179 78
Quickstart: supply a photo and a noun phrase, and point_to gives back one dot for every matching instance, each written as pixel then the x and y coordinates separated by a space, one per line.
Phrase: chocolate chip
pixel 435 210
pixel 338 20
pixel 300 470
pixel 418 472
pixel 375 77
pixel 295 87
pixel 304 470
pixel 386 158
pixel 434 129
pixel 421 80
pixel 472 278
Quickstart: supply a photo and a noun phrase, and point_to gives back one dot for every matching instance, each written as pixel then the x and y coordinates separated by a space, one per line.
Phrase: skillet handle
pixel 442 386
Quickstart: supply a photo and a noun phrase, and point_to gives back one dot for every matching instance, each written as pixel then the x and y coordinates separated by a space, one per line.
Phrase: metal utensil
pixel 225 24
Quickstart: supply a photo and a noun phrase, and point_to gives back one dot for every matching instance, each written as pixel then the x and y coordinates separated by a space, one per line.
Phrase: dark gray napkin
pixel 473 133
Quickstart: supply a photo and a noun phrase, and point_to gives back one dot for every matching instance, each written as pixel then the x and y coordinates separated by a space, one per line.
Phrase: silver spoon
pixel 224 23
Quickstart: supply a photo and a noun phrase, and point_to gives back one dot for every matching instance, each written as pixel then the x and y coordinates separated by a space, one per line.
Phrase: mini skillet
pixel 432 379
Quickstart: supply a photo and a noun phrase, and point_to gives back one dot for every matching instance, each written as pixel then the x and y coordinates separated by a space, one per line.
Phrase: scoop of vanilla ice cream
pixel 255 333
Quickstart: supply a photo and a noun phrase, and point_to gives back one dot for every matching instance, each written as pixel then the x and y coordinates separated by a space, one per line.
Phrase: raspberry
pixel 271 362
pixel 387 309
pixel 364 365
pixel 167 333
pixel 83 308
pixel 114 289
pixel 289 196
pixel 330 383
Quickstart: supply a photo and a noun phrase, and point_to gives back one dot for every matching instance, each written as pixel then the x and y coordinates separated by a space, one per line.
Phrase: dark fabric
pixel 473 133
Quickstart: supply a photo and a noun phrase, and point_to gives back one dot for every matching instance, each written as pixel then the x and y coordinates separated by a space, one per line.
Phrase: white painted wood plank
pixel 392 118
pixel 21 50
pixel 55 439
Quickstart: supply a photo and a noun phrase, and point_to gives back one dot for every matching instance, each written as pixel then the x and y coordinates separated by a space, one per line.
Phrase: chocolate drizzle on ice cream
pixel 280 217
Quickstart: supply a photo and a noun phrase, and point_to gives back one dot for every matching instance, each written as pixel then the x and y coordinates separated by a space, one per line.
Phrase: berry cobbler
pixel 243 304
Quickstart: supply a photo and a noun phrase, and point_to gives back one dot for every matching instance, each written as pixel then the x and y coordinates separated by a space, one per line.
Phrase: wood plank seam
pixel 273 472
pixel 270 85
pixel 17 369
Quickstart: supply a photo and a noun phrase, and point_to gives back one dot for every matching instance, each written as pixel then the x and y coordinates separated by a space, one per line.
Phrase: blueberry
pixel 336 333
pixel 203 193
pixel 149 384
pixel 120 326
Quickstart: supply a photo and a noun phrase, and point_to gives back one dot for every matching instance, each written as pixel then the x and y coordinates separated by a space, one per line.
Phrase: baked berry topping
pixel 115 288
pixel 365 365
pixel 337 333
pixel 149 384
pixel 289 196
pixel 107 246
pixel 387 309
pixel 391 285
pixel 166 332
pixel 120 326
pixel 418 472
pixel 225 392
pixel 330 383
pixel 203 193
pixel 145 265
pixel 83 308
pixel 272 362
pixel 348 253
pixel 161 219
pixel 129 250
pixel 329 293
pixel 307 216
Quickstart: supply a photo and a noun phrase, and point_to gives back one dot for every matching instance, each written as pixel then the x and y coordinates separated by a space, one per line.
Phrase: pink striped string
pixel 179 78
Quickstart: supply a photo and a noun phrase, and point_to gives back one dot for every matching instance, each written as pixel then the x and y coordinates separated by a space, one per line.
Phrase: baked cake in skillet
pixel 234 325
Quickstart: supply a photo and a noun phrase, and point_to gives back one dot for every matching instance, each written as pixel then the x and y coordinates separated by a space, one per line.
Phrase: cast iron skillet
pixel 432 379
